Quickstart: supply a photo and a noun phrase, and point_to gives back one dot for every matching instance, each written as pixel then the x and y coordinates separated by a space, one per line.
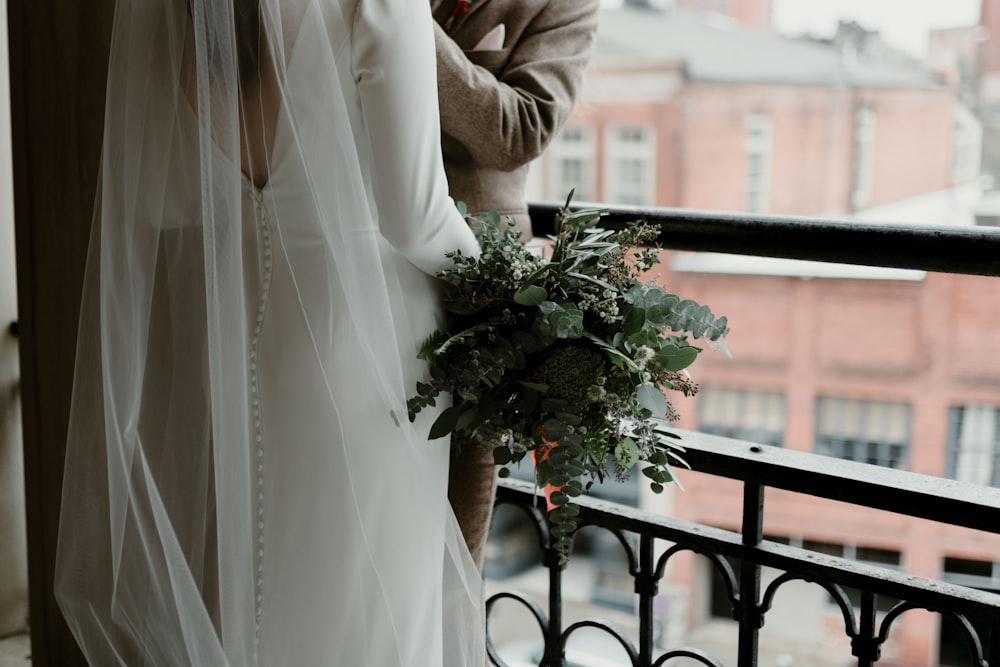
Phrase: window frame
pixel 953 446
pixel 858 446
pixel 758 151
pixel 581 150
pixel 643 152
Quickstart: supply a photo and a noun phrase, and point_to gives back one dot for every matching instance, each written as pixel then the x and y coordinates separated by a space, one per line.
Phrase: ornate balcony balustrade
pixel 650 541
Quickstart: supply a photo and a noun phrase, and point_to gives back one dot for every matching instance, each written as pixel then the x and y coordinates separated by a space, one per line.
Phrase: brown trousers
pixel 472 486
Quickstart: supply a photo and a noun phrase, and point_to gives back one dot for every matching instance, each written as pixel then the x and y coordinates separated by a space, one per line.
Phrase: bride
pixel 242 484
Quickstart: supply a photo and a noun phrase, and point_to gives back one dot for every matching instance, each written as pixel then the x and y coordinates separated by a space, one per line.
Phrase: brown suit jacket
pixel 501 108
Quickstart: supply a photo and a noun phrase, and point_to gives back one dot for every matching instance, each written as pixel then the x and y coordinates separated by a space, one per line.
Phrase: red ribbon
pixel 462 7
pixel 542 454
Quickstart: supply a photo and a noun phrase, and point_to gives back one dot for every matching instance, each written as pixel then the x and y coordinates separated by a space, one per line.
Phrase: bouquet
pixel 565 359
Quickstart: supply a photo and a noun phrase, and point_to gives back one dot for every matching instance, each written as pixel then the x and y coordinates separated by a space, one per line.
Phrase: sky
pixel 902 23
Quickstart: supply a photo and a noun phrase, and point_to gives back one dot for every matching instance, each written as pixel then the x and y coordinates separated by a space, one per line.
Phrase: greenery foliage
pixel 566 358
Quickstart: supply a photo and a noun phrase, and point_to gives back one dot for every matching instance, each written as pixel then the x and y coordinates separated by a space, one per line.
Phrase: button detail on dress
pixel 264 256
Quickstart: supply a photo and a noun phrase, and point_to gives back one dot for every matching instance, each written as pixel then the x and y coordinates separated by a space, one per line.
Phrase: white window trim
pixel 615 150
pixel 863 158
pixel 966 145
pixel 557 186
pixel 972 443
pixel 758 142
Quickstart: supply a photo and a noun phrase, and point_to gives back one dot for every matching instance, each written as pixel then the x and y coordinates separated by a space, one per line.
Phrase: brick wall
pixel 930 343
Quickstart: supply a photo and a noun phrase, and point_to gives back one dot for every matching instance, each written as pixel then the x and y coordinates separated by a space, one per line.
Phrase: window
pixel 979 574
pixel 876 556
pixel 974 444
pixel 864 158
pixel 871 556
pixel 630 166
pixel 571 158
pixel 758 162
pixel 867 431
pixel 614 587
pixel 984 575
pixel 720 606
pixel 757 416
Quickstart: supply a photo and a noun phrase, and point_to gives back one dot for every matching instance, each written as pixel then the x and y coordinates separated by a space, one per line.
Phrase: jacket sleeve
pixel 393 50
pixel 505 121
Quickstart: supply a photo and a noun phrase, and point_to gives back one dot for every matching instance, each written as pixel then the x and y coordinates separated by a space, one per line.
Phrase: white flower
pixel 643 355
pixel 596 393
pixel 627 426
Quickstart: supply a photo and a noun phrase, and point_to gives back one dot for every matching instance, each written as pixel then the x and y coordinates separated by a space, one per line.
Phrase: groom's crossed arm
pixel 505 105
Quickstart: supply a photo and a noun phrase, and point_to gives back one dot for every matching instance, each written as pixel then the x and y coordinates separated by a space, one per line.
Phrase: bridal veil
pixel 242 484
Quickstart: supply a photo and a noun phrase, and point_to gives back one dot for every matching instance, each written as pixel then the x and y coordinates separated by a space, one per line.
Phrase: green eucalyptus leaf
pixel 554 429
pixel 676 357
pixel 626 453
pixel 542 472
pixel 567 511
pixel 571 418
pixel 658 314
pixel 561 321
pixel 659 475
pixel 558 498
pixel 445 423
pixel 634 321
pixel 652 399
pixel 531 295
pixel 501 456
pixel 690 316
pixel 658 457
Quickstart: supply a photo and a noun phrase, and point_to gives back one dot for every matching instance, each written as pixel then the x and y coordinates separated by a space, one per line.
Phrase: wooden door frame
pixel 58 68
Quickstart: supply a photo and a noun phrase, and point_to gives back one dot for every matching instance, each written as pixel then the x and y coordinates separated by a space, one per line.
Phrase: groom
pixel 508 75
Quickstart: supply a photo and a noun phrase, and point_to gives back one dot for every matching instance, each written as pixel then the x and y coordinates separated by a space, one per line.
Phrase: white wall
pixel 13 550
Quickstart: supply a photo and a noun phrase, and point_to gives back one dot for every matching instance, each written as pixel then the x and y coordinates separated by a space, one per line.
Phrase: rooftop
pixel 716 49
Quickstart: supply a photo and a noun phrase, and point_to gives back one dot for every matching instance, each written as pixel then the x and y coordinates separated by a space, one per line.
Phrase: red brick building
pixel 971 55
pixel 889 367
pixel 681 110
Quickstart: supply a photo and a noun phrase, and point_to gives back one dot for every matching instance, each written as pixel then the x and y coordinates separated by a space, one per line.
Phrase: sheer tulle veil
pixel 161 558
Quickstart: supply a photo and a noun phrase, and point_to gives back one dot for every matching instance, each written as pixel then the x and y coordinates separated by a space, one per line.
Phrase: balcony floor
pixel 15 651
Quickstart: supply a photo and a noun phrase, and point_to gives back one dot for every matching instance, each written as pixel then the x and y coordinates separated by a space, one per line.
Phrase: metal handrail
pixel 968 250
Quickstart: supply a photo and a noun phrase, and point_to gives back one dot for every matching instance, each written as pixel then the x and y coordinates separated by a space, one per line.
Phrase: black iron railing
pixel 650 541
pixel 970 250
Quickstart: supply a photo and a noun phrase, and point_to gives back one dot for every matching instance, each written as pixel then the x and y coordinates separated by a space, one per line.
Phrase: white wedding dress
pixel 242 484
